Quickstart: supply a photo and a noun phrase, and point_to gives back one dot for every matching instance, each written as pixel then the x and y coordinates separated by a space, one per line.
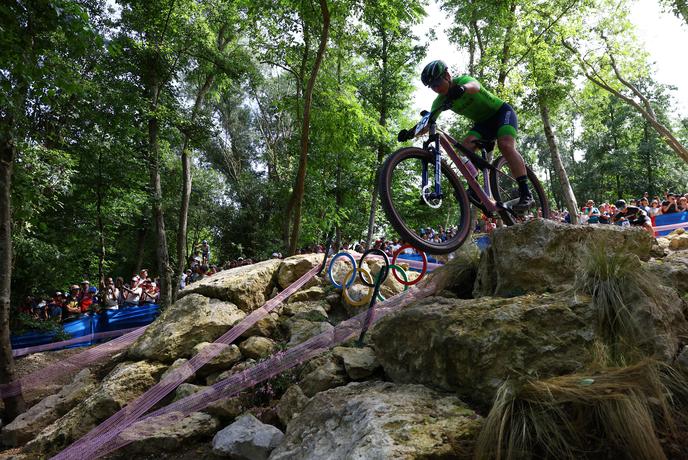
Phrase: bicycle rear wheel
pixel 418 219
pixel 505 190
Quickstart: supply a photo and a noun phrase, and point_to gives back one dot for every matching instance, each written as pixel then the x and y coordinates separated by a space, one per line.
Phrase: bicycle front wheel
pixel 505 190
pixel 437 225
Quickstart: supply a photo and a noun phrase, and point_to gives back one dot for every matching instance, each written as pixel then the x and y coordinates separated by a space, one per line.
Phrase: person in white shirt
pixel 111 295
pixel 133 296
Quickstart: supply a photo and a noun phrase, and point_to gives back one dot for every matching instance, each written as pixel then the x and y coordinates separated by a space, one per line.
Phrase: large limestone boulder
pixel 293 268
pixel 541 255
pixel 248 287
pixel 190 321
pixel 124 383
pixel 27 425
pixel 247 439
pixel 380 420
pixel 152 436
pixel 473 346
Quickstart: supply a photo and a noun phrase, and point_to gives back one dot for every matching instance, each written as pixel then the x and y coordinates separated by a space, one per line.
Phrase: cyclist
pixel 635 216
pixel 492 118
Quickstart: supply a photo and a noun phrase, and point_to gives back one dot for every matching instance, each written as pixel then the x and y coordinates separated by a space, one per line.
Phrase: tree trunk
pixel 299 187
pixel 99 222
pixel 567 191
pixel 164 269
pixel 186 188
pixel 14 405
pixel 381 150
pixel 506 48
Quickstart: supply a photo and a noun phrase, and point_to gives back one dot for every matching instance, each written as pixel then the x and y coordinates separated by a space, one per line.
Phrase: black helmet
pixel 432 71
pixel 620 204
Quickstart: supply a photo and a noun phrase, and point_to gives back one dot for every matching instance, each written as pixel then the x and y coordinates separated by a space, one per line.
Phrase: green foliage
pixel 23 323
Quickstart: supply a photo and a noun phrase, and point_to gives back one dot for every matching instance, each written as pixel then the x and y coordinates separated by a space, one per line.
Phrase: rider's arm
pixel 472 87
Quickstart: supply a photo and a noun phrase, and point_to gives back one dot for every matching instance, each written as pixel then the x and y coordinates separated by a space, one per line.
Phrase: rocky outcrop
pixel 126 382
pixel 190 321
pixel 472 346
pixel 293 268
pixel 247 439
pixel 380 420
pixel 541 255
pixel 248 287
pixel 27 425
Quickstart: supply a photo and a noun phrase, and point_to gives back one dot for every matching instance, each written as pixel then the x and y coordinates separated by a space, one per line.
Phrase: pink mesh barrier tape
pixel 114 437
pixel 70 364
pixel 135 409
pixel 55 345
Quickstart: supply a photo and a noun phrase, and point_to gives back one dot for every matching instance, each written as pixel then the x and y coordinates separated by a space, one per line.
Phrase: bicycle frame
pixel 440 138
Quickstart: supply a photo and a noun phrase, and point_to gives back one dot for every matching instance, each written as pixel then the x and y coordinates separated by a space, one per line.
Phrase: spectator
pixel 682 205
pixel 591 214
pixel 669 205
pixel 71 309
pixel 119 284
pixel 112 295
pixel 55 307
pixel 133 294
pixel 655 209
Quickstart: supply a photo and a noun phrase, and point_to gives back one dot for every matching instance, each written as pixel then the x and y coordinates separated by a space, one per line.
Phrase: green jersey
pixel 477 107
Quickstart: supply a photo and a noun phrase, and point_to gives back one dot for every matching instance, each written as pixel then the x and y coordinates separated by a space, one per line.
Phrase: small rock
pixel 257 347
pixel 312 293
pixel 264 327
pixel 242 366
pixel 329 375
pixel 247 439
pixel 312 311
pixel 292 402
pixel 302 330
pixel 679 242
pixel 228 357
pixel 175 365
pixel 359 363
pixel 151 436
pixel 187 389
pixel 226 409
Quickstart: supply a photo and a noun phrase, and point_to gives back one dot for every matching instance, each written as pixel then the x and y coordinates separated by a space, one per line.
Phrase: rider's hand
pixel 456 92
pixel 405 135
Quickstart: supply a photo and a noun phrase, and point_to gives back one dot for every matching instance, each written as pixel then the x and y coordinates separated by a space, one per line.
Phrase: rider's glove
pixel 456 92
pixel 405 135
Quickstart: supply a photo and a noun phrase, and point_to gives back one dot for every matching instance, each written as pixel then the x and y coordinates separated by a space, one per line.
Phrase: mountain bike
pixel 426 201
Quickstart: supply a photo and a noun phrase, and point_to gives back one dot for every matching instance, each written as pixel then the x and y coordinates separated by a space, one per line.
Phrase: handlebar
pixel 454 93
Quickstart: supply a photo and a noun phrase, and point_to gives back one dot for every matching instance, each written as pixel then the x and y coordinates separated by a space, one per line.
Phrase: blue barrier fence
pixel 109 320
pixel 675 220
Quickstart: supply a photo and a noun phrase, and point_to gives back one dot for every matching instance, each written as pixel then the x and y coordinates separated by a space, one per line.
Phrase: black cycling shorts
pixel 502 123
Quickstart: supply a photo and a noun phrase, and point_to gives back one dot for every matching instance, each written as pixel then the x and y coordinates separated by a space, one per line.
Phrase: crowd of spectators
pixel 635 212
pixel 83 299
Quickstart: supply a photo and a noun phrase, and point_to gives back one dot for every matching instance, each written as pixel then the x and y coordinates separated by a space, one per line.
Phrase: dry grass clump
pixel 599 415
pixel 611 278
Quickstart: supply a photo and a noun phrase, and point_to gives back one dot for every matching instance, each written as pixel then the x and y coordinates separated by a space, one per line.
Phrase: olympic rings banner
pixel 366 277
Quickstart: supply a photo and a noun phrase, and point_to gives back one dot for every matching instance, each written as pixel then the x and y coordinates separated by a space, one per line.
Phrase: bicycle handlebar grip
pixel 405 135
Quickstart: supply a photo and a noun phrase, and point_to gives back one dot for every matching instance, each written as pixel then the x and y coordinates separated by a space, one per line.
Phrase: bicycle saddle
pixel 487 144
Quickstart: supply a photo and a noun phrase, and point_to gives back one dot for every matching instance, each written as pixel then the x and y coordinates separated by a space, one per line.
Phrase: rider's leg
pixel 507 146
